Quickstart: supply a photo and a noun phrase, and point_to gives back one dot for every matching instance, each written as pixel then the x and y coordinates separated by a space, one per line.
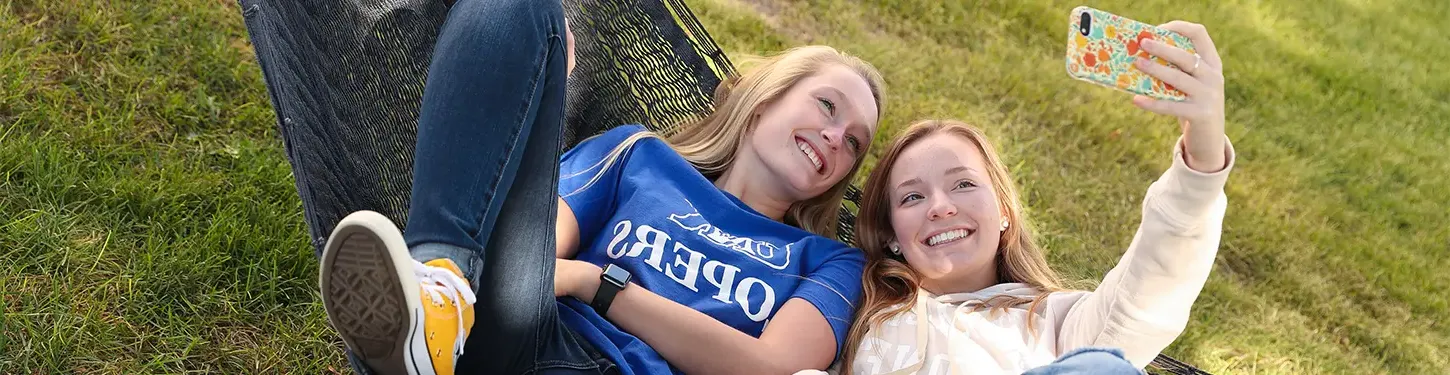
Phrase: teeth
pixel 945 237
pixel 810 153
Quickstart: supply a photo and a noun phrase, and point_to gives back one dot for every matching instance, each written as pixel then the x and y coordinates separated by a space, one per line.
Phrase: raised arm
pixel 1143 304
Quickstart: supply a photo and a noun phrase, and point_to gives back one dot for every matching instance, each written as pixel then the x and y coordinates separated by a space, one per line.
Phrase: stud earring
pixel 895 248
pixel 1004 226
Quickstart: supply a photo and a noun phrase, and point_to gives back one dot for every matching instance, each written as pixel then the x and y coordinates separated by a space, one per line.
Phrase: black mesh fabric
pixel 346 77
pixel 636 64
pixel 346 80
pixel 1167 365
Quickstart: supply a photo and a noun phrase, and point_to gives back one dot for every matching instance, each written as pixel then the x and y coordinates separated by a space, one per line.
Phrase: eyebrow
pixel 914 181
pixel 837 93
pixel 917 181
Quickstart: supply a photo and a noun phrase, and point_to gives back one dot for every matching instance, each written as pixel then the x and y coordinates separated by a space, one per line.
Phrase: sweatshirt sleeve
pixel 1143 303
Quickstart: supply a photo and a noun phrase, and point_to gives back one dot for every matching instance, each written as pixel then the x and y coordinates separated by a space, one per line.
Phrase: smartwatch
pixel 611 282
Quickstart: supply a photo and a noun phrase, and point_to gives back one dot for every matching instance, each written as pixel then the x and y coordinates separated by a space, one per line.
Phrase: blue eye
pixel 911 197
pixel 826 104
pixel 963 184
pixel 855 143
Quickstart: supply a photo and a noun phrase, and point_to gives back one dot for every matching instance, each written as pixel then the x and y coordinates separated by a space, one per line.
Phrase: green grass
pixel 148 222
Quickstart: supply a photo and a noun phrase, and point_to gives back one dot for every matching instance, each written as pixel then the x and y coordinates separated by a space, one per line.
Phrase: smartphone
pixel 1102 46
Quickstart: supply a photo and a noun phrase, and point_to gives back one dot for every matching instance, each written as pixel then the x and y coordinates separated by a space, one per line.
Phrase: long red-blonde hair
pixel 889 284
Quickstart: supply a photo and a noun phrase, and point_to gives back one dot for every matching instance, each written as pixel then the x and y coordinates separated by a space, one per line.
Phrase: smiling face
pixel 945 213
pixel 812 135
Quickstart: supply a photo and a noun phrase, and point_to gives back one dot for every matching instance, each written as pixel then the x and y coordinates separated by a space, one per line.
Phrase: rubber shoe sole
pixel 371 295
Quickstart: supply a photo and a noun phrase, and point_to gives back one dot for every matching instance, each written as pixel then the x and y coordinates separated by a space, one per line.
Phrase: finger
pixel 568 46
pixel 1197 34
pixel 1164 107
pixel 568 33
pixel 1178 56
pixel 1180 80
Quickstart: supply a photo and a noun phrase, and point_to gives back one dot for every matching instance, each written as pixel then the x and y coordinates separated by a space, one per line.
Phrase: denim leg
pixel 485 175
pixel 496 81
pixel 1089 361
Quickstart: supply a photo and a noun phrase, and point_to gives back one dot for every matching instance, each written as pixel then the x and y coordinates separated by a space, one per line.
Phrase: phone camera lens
pixel 1086 25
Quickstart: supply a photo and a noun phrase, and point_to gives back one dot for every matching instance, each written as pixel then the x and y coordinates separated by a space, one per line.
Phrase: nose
pixel 834 136
pixel 941 209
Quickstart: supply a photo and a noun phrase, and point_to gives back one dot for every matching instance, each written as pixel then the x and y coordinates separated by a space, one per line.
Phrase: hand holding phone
pixel 1102 46
pixel 1162 66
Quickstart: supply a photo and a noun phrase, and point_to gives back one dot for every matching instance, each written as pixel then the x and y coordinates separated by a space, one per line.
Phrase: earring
pixel 895 248
pixel 1004 226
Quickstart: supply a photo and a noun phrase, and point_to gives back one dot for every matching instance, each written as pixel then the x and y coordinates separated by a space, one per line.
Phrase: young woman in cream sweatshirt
pixel 954 283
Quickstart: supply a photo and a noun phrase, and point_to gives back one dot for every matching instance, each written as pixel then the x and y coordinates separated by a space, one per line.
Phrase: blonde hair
pixel 711 143
pixel 889 285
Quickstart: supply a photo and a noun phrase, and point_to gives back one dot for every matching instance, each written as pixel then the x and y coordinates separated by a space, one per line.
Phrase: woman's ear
pixel 755 116
pixel 760 108
pixel 750 123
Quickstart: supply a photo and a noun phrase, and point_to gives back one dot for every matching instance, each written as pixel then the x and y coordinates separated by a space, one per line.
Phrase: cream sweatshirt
pixel 1140 307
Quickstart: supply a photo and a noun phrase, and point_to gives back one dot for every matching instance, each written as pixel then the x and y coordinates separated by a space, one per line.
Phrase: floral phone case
pixel 1102 51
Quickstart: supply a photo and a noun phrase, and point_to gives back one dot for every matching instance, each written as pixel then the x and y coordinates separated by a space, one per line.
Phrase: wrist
pixel 586 280
pixel 1204 153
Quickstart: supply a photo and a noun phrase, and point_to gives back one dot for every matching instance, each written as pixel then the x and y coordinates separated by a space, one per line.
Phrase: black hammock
pixel 346 80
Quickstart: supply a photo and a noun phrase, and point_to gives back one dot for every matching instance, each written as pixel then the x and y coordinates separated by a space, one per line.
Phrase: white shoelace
pixel 441 283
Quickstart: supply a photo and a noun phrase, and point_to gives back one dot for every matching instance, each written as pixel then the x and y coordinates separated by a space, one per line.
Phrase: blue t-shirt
pixel 652 213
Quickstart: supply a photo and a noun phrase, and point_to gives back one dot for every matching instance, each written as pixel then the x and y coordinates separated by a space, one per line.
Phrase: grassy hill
pixel 148 222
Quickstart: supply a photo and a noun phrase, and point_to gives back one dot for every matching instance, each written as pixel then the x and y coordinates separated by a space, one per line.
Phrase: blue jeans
pixel 485 181
pixel 1088 361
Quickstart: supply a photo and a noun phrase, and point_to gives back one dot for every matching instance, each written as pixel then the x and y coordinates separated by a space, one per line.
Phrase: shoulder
pixel 608 140
pixel 827 249
pixel 1068 295
pixel 625 142
pixel 1059 303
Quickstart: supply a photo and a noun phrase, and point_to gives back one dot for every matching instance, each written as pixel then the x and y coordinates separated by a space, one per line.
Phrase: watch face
pixel 616 274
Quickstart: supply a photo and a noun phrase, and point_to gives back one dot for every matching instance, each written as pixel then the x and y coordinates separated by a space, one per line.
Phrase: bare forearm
pixel 798 338
pixel 688 339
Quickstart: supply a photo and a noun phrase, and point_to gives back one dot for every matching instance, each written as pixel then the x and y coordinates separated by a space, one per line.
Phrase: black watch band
pixel 613 280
